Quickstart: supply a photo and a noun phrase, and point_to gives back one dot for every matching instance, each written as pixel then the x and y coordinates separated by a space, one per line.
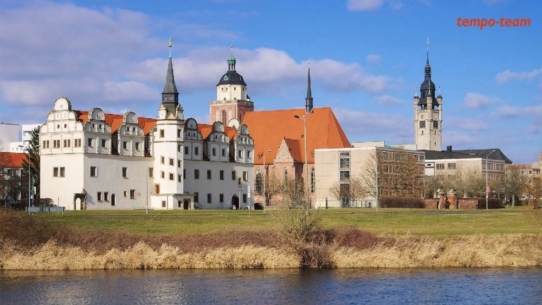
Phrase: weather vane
pixel 427 44
pixel 170 45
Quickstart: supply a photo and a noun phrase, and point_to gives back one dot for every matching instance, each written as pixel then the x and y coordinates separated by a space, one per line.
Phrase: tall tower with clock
pixel 232 100
pixel 428 114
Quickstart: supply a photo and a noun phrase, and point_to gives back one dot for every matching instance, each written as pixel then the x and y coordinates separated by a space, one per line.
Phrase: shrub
pixel 412 203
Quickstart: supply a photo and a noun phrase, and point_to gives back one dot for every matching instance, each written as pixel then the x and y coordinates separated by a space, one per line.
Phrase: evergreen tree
pixel 33 156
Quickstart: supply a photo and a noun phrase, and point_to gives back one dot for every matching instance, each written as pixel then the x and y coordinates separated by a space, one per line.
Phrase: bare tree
pixel 514 182
pixel 397 172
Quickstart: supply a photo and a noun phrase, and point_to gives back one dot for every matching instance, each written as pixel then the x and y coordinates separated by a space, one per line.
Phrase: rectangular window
pixel 248 154
pixel 179 163
pixel 171 161
pixel 344 163
pixel 124 145
pixel 179 178
pixel 106 196
pixel 124 172
pixel 214 151
pixel 451 165
pixel 179 133
pixel 233 175
pixel 132 194
pixel 179 203
pixel 240 153
pixel 56 143
pixel 162 159
pixel 162 174
pixel 196 174
pixel 186 150
pixel 151 172
pixel 76 144
pixel 245 176
pixel 45 144
pixel 422 124
pixel 137 146
pixel 94 171
pixel 221 198
pixel 209 174
pixel 223 152
pixel 184 172
pixel 244 198
pixel 104 143
pixel 440 166
pixel 196 197
pixel 67 143
pixel 209 198
pixel 180 148
pixel 196 151
pixel 99 197
pixel 62 172
pixel 163 203
pixel 435 124
pixel 55 171
pixel 161 133
pixel 221 175
pixel 170 176
pixel 344 176
pixel 89 142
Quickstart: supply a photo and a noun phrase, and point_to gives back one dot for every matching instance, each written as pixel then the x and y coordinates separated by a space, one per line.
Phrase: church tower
pixel 232 100
pixel 428 114
pixel 308 99
pixel 168 146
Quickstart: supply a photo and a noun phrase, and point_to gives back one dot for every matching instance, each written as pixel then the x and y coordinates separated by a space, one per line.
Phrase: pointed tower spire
pixel 231 60
pixel 308 99
pixel 170 95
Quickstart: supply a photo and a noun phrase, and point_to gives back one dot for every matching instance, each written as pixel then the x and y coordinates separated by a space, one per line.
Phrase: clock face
pixel 225 77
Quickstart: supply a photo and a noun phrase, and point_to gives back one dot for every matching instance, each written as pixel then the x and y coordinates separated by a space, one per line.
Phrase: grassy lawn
pixel 394 222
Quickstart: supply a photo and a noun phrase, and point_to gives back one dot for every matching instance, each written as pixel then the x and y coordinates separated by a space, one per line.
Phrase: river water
pixel 350 286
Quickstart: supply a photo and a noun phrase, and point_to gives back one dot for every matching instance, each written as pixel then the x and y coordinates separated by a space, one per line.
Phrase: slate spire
pixel 308 99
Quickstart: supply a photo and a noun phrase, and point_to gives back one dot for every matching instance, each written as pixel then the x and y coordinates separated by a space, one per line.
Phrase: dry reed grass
pixel 27 243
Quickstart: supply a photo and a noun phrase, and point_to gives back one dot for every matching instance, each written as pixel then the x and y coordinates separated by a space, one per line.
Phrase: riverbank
pixel 404 252
pixel 37 243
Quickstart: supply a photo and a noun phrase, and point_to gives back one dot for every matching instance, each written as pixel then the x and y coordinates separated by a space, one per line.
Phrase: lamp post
pixel 305 167
pixel 264 179
pixel 487 190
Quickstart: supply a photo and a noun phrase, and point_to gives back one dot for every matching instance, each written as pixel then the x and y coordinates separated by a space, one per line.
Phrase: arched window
pixel 224 118
pixel 258 182
pixel 313 180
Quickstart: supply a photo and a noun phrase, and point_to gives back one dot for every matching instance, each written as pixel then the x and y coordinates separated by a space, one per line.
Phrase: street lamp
pixel 305 167
pixel 487 187
pixel 264 176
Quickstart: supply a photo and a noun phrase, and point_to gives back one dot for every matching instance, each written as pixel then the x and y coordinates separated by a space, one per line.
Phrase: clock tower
pixel 232 100
pixel 428 114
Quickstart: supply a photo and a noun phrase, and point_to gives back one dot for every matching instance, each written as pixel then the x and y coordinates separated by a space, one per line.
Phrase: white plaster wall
pixel 61 189
pixel 215 186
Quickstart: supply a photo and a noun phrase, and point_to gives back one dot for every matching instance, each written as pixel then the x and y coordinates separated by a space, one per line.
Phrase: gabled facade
pixel 94 160
pixel 11 177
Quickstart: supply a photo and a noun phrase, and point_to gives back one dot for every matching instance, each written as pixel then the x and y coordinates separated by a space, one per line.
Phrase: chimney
pixel 449 148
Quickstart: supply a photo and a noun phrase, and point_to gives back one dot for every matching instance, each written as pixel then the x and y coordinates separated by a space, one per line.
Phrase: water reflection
pixel 448 286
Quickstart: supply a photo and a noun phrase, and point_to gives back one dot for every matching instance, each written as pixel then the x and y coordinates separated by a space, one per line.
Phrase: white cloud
pixel 477 100
pixel 508 112
pixel 471 124
pixel 373 58
pixel 372 5
pixel 388 100
pixel 364 5
pixel 505 76
pixel 364 126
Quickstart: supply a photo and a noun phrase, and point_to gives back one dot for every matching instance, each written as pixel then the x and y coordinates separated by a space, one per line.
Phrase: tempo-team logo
pixel 491 22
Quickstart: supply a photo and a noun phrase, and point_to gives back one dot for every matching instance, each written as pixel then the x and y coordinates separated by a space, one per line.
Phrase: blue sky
pixel 367 60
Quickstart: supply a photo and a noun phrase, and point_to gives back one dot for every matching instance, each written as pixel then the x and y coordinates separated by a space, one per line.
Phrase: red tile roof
pixel 11 160
pixel 268 128
pixel 115 120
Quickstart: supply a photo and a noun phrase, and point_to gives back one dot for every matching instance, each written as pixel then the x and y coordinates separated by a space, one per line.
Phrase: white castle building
pixel 94 160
